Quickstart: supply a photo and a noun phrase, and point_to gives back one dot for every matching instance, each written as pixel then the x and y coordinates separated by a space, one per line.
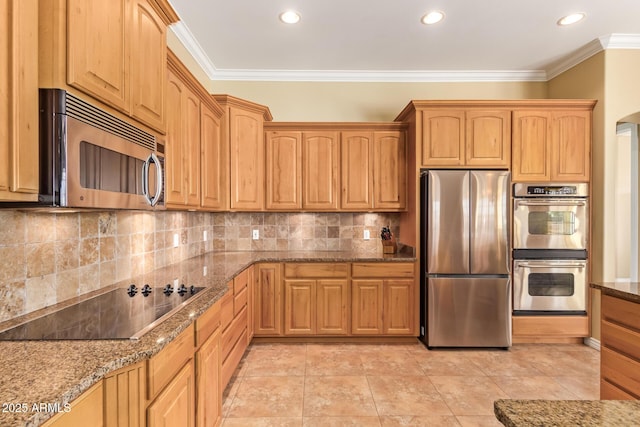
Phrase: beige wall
pixel 353 102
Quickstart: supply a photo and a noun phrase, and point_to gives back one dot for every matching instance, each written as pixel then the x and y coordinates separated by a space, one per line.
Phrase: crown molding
pixel 620 41
pixel 187 39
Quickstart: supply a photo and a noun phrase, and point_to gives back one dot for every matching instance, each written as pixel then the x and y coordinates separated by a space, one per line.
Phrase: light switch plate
pixel 204 236
pixel 366 235
pixel 176 240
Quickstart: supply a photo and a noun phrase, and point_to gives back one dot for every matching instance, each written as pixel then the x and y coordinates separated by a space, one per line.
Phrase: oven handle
pixel 564 202
pixel 527 264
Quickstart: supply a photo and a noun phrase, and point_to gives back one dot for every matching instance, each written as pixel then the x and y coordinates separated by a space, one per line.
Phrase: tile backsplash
pixel 47 258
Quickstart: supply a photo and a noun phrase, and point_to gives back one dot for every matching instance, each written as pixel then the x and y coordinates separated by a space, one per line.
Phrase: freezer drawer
pixel 468 312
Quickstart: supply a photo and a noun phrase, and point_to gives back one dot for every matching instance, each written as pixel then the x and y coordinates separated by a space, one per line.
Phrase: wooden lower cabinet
pixel 267 300
pixel 208 384
pixel 382 307
pixel 332 307
pixel 86 410
pixel 175 405
pixel 316 307
pixel 366 307
pixel 124 397
pixel 549 329
pixel 620 353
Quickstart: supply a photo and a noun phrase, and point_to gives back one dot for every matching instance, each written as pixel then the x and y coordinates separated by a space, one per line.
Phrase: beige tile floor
pixel 399 385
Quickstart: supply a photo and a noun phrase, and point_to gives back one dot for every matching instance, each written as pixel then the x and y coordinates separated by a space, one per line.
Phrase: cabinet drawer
pixel 619 311
pixel 240 301
pixel 235 355
pixel 226 310
pixel 609 391
pixel 382 269
pixel 208 322
pixel 233 332
pixel 621 339
pixel 241 281
pixel 324 270
pixel 164 365
pixel 620 371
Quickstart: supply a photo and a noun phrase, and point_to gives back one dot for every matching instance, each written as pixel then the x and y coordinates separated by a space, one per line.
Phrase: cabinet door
pixel 443 134
pixel 570 145
pixel 531 144
pixel 320 165
pixel 247 159
pixel 299 307
pixel 191 141
pixel 215 159
pixel 398 306
pixel 124 397
pixel 208 383
pixel 488 138
pixel 250 303
pixel 357 177
pixel 97 50
pixel 86 410
pixel 366 307
pixel 389 170
pixel 268 300
pixel 175 406
pixel 19 100
pixel 332 307
pixel 284 170
pixel 174 155
pixel 148 59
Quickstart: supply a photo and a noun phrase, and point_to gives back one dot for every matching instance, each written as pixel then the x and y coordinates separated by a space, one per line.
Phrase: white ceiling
pixel 383 40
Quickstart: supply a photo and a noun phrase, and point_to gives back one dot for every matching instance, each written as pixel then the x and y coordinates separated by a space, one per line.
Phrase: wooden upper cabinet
pixel 357 173
pixel 283 170
pixel 389 170
pixel 19 100
pixel 215 161
pixel 182 145
pixel 531 146
pixel 570 145
pixel 98 50
pixel 320 166
pixel 488 138
pixel 114 51
pixel 443 133
pixel 148 59
pixel 472 137
pixel 551 145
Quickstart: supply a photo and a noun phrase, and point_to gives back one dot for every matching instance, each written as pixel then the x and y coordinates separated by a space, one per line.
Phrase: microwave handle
pixel 543 265
pixel 551 203
pixel 145 179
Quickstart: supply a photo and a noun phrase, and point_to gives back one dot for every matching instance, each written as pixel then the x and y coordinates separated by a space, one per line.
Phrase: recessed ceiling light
pixel 290 17
pixel 571 19
pixel 432 17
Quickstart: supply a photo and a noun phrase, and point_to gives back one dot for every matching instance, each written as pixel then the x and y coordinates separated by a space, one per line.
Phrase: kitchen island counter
pixel 629 291
pixel 586 413
pixel 56 372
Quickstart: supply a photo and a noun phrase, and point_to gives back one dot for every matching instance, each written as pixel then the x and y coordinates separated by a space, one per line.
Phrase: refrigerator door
pixel 489 224
pixel 447 216
pixel 469 312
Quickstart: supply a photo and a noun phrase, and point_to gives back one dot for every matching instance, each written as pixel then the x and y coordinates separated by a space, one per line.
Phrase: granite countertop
pixel 585 413
pixel 34 372
pixel 625 290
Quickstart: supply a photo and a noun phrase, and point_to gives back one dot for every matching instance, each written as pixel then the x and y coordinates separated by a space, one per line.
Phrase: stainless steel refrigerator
pixel 466 286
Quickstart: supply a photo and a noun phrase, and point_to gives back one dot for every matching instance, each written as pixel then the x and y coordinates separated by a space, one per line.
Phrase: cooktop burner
pixel 118 314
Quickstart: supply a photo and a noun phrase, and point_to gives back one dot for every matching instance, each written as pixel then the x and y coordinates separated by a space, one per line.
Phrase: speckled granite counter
pixel 625 290
pixel 586 413
pixel 59 371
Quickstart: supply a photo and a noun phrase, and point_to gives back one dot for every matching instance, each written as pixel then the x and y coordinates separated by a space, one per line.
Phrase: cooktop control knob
pixel 132 290
pixel 192 289
pixel 146 290
pixel 182 290
pixel 168 290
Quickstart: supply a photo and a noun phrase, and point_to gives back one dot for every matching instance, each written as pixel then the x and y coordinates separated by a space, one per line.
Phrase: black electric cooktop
pixel 118 314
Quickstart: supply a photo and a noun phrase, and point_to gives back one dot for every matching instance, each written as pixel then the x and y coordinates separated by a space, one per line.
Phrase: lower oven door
pixel 549 286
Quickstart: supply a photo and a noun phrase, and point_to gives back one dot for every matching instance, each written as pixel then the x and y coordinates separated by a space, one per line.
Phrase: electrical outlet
pixel 366 235
pixel 176 283
pixel 204 236
pixel 256 234
pixel 176 240
pixel 204 270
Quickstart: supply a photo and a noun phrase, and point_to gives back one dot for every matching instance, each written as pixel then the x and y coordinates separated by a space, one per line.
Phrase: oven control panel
pixel 550 190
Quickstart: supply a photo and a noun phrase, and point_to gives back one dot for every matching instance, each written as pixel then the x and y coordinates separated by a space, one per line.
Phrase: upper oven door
pixel 550 224
pixel 107 171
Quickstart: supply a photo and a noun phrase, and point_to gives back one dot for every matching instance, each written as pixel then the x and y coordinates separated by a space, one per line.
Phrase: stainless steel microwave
pixel 92 159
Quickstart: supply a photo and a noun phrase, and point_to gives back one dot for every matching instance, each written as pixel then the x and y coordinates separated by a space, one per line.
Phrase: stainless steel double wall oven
pixel 550 227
